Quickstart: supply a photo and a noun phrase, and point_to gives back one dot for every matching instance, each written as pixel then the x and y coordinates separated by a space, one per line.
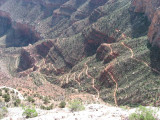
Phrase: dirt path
pixel 115 91
pixel 93 81
pixel 111 75
pixel 67 79
pixel 76 79
pixel 79 75
pixel 132 56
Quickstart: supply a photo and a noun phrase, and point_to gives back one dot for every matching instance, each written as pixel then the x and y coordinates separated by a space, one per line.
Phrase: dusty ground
pixel 91 112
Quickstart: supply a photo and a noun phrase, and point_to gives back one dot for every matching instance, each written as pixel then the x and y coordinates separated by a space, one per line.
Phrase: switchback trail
pixel 81 74
pixel 74 77
pixel 93 81
pixel 132 56
pixel 115 91
pixel 111 75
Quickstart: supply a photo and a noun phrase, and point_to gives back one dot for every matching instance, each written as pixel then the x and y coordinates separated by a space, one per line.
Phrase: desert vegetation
pixel 76 105
pixel 10 97
pixel 3 112
pixel 62 104
pixel 143 113
pixel 30 112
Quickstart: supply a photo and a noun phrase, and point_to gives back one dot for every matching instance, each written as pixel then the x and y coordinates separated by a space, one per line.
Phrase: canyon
pixel 108 50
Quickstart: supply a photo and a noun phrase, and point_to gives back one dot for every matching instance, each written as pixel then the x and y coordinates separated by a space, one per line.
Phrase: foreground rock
pixel 92 112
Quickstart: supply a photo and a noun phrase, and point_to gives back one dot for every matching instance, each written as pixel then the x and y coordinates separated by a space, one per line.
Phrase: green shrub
pixel 17 102
pixel 62 104
pixel 47 108
pixel 40 97
pixel 25 94
pixel 35 95
pixel 6 97
pixel 0 92
pixel 43 107
pixel 30 112
pixel 46 100
pixel 143 113
pixel 30 99
pixel 6 90
pixel 12 91
pixel 19 89
pixel 76 105
pixel 3 112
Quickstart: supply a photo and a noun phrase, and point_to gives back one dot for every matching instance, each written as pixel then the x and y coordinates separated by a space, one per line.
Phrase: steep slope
pixel 151 9
pixel 98 47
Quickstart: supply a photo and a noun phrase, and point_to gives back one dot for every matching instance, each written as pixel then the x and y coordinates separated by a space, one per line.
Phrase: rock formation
pixel 151 9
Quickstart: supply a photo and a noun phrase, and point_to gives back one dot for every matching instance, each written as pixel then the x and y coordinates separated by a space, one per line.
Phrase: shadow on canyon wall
pixel 21 35
pixel 140 26
pixel 154 58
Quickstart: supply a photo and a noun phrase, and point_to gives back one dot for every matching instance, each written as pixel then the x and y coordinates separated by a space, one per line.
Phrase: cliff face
pixel 154 29
pixel 151 9
pixel 5 22
pixel 16 34
pixel 45 16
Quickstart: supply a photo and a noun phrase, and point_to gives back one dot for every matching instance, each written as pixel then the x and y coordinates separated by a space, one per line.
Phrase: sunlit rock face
pixel 154 30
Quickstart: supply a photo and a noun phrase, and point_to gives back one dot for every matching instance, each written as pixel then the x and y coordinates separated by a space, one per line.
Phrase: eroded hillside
pixel 108 48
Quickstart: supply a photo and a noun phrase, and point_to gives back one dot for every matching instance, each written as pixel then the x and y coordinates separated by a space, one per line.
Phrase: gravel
pixel 91 112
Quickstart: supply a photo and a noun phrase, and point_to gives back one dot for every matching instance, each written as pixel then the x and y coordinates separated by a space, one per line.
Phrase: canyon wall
pixel 152 9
